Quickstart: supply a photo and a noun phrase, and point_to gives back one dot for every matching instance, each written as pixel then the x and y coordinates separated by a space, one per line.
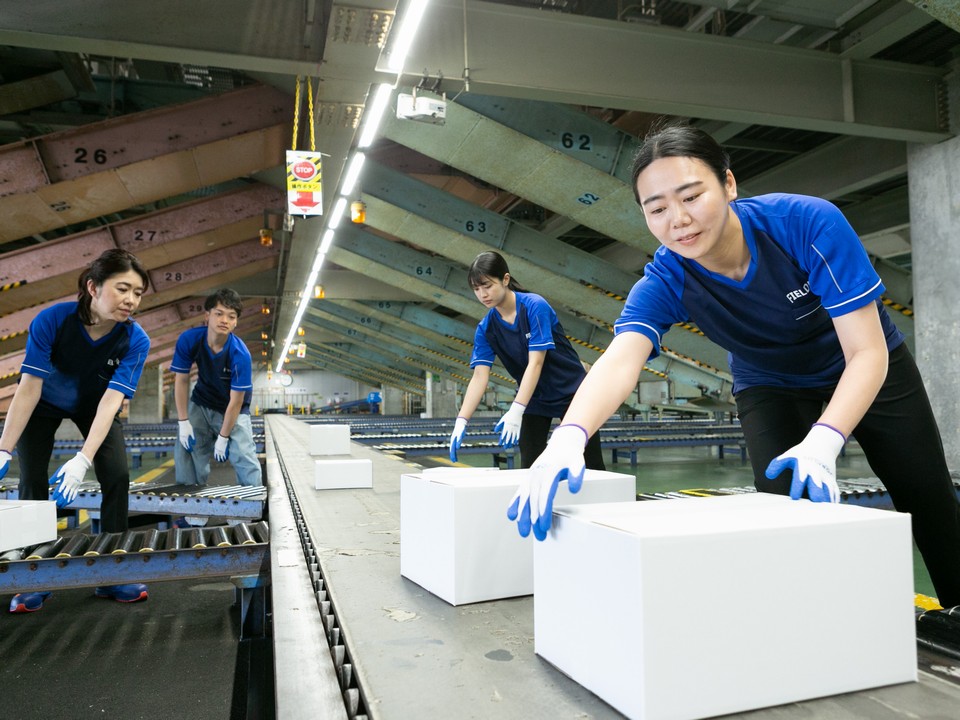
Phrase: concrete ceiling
pixel 161 128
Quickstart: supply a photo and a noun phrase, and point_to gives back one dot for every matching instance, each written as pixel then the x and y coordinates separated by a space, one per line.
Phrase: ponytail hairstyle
pixel 111 262
pixel 675 140
pixel 491 264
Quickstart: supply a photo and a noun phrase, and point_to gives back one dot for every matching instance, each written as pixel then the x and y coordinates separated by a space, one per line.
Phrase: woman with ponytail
pixel 523 331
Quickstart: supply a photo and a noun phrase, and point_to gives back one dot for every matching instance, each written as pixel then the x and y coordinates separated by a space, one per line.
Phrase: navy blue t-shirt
pixel 807 266
pixel 217 374
pixel 536 328
pixel 77 370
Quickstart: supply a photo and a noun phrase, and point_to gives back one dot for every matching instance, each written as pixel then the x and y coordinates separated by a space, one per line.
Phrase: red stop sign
pixel 304 170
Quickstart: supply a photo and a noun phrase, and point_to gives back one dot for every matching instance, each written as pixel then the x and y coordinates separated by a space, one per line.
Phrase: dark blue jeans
pixel 901 441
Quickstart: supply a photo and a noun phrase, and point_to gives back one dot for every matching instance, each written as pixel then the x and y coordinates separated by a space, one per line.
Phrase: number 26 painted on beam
pixel 588 199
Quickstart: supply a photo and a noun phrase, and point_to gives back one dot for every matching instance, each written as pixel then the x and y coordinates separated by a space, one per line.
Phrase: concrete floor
pixel 176 655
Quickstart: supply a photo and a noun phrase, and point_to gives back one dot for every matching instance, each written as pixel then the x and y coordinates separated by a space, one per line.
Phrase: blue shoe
pixel 130 593
pixel 28 602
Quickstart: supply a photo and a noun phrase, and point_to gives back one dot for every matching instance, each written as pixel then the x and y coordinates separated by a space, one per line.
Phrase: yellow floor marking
pixel 155 473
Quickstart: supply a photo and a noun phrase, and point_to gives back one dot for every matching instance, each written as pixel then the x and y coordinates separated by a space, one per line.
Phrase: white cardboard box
pixel 337 474
pixel 456 540
pixel 26 522
pixel 329 439
pixel 692 608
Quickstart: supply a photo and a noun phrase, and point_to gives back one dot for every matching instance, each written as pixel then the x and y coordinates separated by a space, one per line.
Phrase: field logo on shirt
pixel 113 362
pixel 795 295
pixel 527 336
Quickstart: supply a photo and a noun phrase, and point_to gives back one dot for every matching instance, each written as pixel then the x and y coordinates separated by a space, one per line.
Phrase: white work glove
pixel 814 464
pixel 221 450
pixel 532 505
pixel 509 425
pixel 187 438
pixel 456 437
pixel 5 458
pixel 68 478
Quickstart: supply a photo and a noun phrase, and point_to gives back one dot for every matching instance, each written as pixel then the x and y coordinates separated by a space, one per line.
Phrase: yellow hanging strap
pixel 313 142
pixel 296 115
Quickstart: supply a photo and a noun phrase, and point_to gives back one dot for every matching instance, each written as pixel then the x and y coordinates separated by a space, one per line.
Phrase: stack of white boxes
pixel 341 470
pixel 693 608
pixel 456 540
pixel 26 522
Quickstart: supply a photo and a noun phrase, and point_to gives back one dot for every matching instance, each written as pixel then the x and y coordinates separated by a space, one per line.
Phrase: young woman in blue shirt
pixel 783 283
pixel 522 330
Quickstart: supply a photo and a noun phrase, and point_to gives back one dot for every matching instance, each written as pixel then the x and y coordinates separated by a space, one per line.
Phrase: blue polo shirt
pixel 217 373
pixel 77 370
pixel 807 267
pixel 535 327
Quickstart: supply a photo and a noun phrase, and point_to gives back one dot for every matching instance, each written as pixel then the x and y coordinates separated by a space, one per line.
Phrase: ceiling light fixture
pixel 372 115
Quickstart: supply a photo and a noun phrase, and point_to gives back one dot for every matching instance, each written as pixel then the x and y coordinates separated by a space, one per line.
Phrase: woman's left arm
pixel 865 351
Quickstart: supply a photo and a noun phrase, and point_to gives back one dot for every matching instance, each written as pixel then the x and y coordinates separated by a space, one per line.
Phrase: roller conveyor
pixel 224 501
pixel 867 492
pixel 84 560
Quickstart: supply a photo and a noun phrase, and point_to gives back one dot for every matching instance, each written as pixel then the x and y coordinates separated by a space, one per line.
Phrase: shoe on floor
pixel 28 602
pixel 129 593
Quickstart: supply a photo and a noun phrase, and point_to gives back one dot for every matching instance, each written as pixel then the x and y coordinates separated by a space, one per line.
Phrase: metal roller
pixel 262 532
pixel 218 536
pixel 12 555
pixel 75 546
pixel 150 539
pixel 102 544
pixel 126 543
pixel 174 539
pixel 47 549
pixel 243 534
pixel 196 538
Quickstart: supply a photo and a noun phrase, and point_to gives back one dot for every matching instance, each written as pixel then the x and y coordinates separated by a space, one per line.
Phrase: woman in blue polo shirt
pixel 82 360
pixel 783 283
pixel 523 331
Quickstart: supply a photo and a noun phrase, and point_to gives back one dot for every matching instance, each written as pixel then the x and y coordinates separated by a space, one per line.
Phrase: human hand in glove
pixel 68 478
pixel 456 437
pixel 814 464
pixel 5 458
pixel 187 438
pixel 532 505
pixel 509 425
pixel 221 450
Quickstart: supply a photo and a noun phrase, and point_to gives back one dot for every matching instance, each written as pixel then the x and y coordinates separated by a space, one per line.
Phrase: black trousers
pixel 110 464
pixel 902 444
pixel 534 430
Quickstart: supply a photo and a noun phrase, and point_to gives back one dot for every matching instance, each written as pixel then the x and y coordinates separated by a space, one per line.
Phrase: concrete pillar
pixel 442 401
pixel 147 403
pixel 934 186
pixel 391 401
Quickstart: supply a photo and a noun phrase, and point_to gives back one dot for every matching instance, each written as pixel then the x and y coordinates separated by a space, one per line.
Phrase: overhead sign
pixel 304 183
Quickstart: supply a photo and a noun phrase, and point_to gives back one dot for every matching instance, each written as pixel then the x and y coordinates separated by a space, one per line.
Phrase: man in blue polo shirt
pixel 216 419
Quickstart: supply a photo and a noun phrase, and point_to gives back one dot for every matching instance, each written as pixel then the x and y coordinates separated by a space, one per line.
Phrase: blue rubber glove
pixel 221 450
pixel 68 478
pixel 187 438
pixel 814 464
pixel 532 505
pixel 456 437
pixel 5 458
pixel 509 425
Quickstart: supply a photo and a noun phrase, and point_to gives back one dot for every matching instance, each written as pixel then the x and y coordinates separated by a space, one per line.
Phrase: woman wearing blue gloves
pixel 523 331
pixel 82 359
pixel 784 284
